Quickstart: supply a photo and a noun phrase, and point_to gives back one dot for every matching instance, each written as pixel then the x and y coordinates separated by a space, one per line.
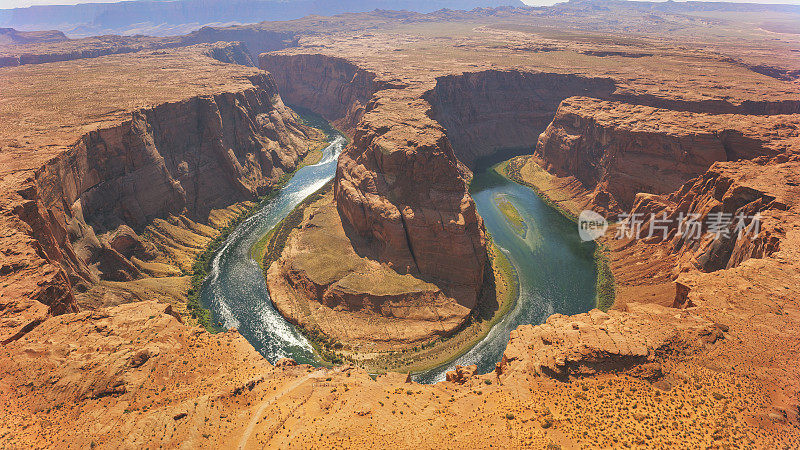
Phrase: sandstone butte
pixel 118 169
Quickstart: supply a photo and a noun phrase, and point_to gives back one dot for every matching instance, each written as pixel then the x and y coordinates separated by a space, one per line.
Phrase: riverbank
pixel 565 196
pixel 201 265
pixel 501 291
pixel 313 157
pixel 562 194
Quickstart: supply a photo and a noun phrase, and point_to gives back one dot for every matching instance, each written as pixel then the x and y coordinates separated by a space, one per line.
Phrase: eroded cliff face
pixel 333 87
pixel 34 267
pixel 617 150
pixel 230 52
pixel 492 110
pixel 255 40
pixel 79 49
pixel 193 156
pixel 484 112
pixel 734 192
pixel 596 342
pixel 89 211
pixel 747 107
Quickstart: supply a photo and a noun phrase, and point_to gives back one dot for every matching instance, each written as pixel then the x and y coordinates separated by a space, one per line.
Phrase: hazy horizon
pixel 9 4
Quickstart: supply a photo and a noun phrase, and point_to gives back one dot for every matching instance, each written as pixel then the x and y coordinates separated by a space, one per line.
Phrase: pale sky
pixel 6 4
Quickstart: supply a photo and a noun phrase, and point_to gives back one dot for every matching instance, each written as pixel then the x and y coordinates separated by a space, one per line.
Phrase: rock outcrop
pixel 328 280
pixel 36 284
pixel 597 342
pixel 255 39
pixel 12 36
pixel 400 186
pixel 461 374
pixel 738 210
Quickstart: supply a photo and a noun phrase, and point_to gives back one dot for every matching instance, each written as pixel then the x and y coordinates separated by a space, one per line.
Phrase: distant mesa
pixel 12 36
pixel 170 18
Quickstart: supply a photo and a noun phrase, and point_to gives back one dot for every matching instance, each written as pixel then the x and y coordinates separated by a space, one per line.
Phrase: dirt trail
pixel 254 420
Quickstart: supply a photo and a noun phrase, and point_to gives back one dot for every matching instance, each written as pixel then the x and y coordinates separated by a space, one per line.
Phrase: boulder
pixel 462 374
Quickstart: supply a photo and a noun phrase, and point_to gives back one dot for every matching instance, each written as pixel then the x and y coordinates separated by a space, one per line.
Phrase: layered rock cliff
pixel 256 40
pixel 617 150
pixel 333 87
pixel 88 212
pixel 484 112
pixel 732 213
pixel 492 110
pixel 710 106
pixel 193 156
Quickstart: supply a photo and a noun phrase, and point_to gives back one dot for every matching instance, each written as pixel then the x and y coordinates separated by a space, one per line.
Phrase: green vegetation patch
pixel 314 156
pixel 511 170
pixel 605 278
pixel 512 215
pixel 258 249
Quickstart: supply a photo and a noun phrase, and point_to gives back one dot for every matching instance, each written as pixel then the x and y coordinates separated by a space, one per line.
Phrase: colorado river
pixel 235 290
pixel 556 270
